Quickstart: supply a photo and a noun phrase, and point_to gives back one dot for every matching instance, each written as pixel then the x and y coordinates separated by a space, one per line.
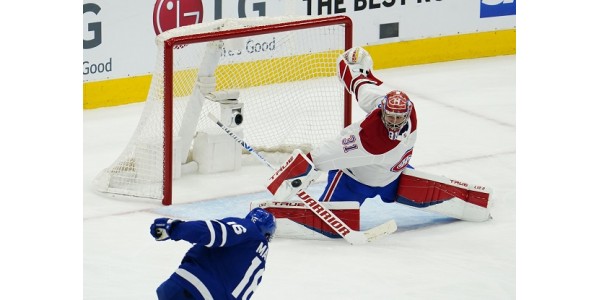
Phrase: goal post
pixel 280 70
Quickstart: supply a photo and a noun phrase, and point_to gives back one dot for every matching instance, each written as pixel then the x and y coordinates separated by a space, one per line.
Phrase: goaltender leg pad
pixel 296 221
pixel 296 174
pixel 445 196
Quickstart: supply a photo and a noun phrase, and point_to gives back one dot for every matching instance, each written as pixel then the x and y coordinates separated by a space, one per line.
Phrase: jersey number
pixel 244 282
pixel 239 229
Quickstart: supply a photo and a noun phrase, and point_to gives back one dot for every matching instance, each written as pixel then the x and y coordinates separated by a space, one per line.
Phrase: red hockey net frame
pixel 171 43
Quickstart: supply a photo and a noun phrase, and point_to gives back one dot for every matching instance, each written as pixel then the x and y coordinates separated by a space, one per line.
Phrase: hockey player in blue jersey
pixel 227 259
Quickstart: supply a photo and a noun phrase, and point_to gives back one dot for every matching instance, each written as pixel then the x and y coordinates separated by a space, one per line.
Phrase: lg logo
pixel 95 27
pixel 169 14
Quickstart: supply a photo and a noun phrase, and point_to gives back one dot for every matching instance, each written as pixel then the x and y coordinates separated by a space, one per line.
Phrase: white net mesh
pixel 286 82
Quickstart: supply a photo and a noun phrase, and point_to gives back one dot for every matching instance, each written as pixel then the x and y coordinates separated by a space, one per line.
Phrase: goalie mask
pixel 264 220
pixel 395 112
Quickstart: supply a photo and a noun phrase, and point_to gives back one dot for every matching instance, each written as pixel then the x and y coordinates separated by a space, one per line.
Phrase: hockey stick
pixel 352 236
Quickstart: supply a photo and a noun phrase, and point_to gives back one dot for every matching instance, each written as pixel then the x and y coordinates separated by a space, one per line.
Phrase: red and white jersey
pixel 363 150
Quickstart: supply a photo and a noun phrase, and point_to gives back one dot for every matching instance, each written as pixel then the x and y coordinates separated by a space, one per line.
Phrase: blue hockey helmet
pixel 264 220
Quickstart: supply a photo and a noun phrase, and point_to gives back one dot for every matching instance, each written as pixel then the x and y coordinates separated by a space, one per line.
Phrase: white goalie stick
pixel 354 237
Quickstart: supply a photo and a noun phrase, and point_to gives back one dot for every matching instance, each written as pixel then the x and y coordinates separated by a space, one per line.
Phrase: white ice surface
pixel 467 130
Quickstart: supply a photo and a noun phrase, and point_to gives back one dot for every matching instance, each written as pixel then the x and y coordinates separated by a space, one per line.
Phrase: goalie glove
pixel 354 68
pixel 358 60
pixel 162 227
pixel 296 174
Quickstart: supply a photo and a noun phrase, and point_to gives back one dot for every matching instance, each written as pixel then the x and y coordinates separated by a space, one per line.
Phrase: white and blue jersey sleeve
pixel 216 233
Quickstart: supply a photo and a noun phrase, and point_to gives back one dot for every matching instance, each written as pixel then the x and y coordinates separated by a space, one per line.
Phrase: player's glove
pixel 353 67
pixel 161 228
pixel 358 61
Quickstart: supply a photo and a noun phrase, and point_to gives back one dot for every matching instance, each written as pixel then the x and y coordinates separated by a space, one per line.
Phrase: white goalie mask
pixel 395 112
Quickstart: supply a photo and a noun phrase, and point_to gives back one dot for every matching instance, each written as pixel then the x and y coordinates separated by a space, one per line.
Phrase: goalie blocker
pixel 295 174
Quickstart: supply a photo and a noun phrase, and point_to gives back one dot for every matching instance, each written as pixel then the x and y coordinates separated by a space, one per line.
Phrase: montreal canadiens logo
pixel 399 166
pixel 169 14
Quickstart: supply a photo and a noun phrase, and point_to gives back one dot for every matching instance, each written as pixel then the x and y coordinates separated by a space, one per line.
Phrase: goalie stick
pixel 354 237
